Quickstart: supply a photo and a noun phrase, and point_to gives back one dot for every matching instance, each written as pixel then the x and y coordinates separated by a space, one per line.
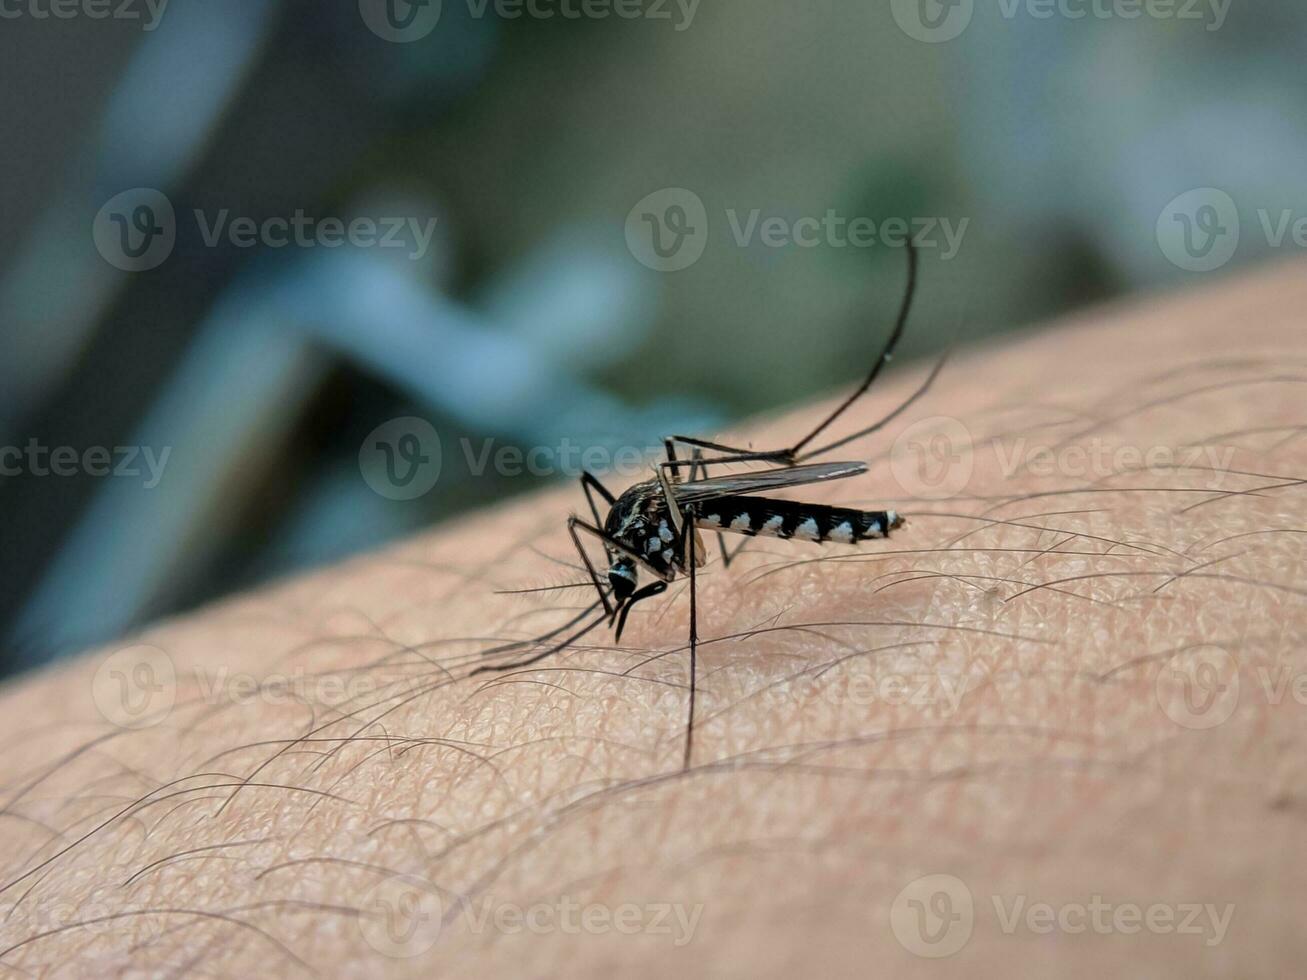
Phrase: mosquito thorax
pixel 640 521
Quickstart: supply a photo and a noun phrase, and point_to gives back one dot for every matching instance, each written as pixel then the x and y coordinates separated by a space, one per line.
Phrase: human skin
pixel 997 695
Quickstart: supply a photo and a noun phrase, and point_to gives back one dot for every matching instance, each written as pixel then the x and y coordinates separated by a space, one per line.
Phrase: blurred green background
pixel 612 219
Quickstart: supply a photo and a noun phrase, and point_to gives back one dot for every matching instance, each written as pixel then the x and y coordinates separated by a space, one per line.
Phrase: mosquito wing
pixel 757 482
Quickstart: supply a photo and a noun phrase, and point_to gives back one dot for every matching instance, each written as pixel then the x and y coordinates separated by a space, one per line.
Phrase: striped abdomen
pixel 800 521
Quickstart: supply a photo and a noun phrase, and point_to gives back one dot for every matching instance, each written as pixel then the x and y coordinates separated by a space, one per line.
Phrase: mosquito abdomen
pixel 789 519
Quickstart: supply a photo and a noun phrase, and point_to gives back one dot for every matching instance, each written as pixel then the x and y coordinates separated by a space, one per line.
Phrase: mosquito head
pixel 621 575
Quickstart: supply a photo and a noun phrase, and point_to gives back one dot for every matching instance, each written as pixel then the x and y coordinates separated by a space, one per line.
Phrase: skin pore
pixel 1054 726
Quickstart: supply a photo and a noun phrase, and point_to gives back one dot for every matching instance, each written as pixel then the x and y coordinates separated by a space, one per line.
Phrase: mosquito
pixel 654 528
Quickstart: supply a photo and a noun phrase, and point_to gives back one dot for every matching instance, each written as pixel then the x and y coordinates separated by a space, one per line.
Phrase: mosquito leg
pixel 791 460
pixel 669 445
pixel 697 468
pixel 688 550
pixel 731 454
pixel 589 567
pixel 924 387
pixel 729 555
pixel 500 668
pixel 673 509
pixel 654 588
pixel 886 355
pixel 793 454
pixel 700 468
pixel 591 485
pixel 790 457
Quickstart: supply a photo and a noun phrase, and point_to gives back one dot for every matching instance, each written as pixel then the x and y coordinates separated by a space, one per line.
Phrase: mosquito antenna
pixel 885 355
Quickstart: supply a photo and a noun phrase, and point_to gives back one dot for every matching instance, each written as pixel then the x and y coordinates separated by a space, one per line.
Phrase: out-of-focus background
pixel 280 281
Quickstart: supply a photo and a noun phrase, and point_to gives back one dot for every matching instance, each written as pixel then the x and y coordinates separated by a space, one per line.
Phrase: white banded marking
pixel 807 531
pixel 842 533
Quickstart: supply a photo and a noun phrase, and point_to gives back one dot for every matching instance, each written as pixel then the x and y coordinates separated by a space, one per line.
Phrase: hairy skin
pixel 996 695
